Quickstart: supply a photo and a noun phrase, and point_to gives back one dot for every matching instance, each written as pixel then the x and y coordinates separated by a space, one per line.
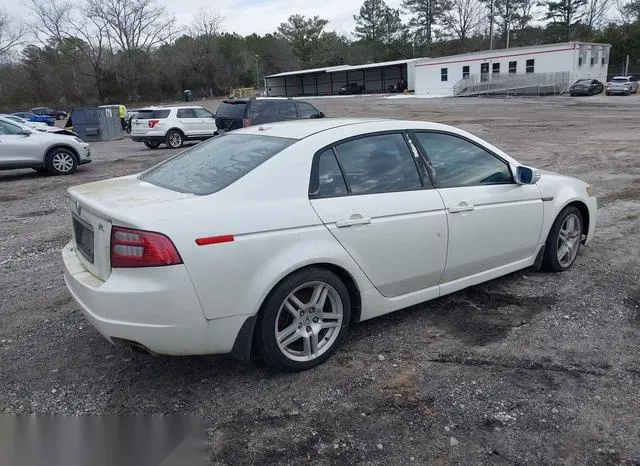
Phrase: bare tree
pixel 132 27
pixel 207 23
pixel 462 18
pixel 11 34
pixel 205 29
pixel 596 13
pixel 628 10
pixel 62 23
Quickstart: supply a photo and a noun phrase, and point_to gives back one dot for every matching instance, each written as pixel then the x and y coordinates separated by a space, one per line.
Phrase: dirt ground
pixel 528 368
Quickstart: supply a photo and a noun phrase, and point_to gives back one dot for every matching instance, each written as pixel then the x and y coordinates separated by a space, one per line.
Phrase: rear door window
pixel 153 114
pixel 202 113
pixel 233 110
pixel 306 110
pixel 329 180
pixel 186 113
pixel 262 110
pixel 213 165
pixel 287 111
pixel 378 164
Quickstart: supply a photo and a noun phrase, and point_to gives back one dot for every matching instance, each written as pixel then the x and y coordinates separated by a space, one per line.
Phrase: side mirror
pixel 527 175
pixel 26 132
pixel 321 115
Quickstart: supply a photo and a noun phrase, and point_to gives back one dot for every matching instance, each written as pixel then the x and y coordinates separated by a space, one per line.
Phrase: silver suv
pixel 24 147
pixel 172 125
pixel 626 85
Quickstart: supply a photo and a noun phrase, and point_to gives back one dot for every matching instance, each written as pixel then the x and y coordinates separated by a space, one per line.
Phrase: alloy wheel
pixel 175 140
pixel 569 240
pixel 309 321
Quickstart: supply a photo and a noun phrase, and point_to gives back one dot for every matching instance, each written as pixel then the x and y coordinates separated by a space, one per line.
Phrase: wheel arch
pixel 245 345
pixel 174 128
pixel 60 146
pixel 584 212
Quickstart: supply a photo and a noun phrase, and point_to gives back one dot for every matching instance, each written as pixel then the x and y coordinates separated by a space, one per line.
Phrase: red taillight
pixel 152 123
pixel 138 248
pixel 246 123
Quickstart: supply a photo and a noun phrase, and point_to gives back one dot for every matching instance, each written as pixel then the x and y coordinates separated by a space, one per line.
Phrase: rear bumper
pixel 156 308
pixel 147 138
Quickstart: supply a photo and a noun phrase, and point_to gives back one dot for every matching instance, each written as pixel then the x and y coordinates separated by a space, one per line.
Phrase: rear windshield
pixel 152 114
pixel 620 80
pixel 231 110
pixel 213 165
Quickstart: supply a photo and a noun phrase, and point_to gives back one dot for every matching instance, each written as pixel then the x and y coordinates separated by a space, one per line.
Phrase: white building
pixel 541 63
pixel 541 68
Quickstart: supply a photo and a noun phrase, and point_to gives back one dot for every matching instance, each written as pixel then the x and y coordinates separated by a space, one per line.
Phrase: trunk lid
pixel 95 207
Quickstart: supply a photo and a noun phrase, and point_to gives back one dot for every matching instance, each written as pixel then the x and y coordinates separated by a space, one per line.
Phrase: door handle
pixel 462 207
pixel 353 221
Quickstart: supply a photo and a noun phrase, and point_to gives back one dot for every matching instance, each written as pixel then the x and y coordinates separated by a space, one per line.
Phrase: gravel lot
pixel 529 368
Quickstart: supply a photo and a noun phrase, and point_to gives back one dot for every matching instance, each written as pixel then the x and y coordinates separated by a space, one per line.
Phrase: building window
pixel 530 65
pixel 513 67
pixel 580 61
pixel 443 74
pixel 593 61
pixel 495 68
pixel 465 72
pixel 604 60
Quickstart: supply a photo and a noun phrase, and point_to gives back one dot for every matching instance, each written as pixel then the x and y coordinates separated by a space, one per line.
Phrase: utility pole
pixel 257 74
pixel 626 66
pixel 508 23
pixel 491 27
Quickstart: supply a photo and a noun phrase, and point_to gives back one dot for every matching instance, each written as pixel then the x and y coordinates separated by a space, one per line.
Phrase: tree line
pixel 112 51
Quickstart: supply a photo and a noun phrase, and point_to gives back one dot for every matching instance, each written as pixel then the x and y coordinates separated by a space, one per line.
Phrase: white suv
pixel 172 125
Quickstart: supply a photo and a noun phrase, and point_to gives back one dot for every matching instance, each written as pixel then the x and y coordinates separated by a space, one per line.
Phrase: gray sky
pixel 248 16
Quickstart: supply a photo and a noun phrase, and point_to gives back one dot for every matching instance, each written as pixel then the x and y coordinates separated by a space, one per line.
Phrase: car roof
pixel 300 129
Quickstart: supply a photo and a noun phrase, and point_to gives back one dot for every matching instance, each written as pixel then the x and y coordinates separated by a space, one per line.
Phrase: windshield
pixel 213 165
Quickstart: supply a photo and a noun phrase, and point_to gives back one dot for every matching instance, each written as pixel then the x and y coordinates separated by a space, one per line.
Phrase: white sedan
pixel 273 239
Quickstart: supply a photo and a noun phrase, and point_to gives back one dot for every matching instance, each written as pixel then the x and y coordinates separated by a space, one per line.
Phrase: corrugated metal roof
pixel 334 69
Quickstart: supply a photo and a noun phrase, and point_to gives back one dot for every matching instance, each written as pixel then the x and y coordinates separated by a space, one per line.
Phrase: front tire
pixel 174 139
pixel 563 243
pixel 304 320
pixel 61 161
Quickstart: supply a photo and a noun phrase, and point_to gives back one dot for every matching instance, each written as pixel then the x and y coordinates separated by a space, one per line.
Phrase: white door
pixel 492 220
pixel 383 212
pixel 206 122
pixel 17 148
pixel 190 124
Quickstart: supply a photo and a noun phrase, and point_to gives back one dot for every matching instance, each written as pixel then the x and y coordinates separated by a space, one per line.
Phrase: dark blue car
pixel 36 118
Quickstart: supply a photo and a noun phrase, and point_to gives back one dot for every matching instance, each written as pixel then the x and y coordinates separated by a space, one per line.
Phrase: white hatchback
pixel 284 234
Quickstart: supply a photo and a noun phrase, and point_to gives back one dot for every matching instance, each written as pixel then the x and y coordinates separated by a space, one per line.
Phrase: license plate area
pixel 83 233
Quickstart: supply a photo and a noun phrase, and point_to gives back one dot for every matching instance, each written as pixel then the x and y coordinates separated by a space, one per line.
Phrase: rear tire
pixel 564 240
pixel 61 161
pixel 152 144
pixel 174 139
pixel 304 320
